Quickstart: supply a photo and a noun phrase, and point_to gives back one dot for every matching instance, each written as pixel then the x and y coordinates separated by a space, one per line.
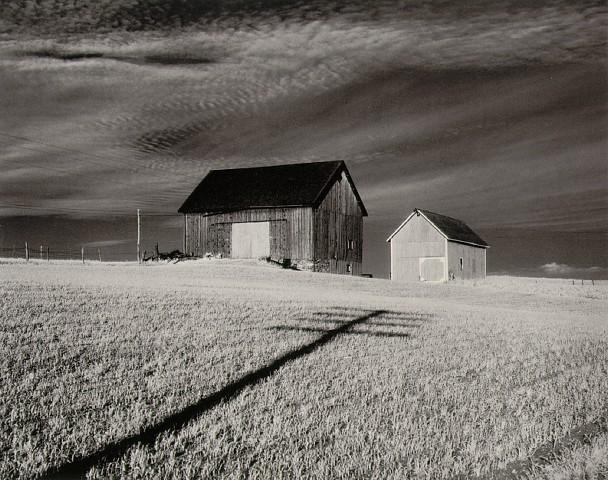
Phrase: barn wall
pixel 473 259
pixel 338 221
pixel 290 232
pixel 417 239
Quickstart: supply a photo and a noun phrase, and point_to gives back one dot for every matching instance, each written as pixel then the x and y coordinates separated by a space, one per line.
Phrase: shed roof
pixel 451 228
pixel 294 185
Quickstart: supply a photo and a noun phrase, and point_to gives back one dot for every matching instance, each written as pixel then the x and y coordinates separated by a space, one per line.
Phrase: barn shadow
pixel 77 468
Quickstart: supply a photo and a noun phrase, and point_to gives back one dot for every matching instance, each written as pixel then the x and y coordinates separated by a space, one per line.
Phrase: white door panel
pixel 250 240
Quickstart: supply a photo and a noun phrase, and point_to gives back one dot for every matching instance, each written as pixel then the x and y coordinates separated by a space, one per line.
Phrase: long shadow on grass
pixel 331 318
pixel 322 330
pixel 79 466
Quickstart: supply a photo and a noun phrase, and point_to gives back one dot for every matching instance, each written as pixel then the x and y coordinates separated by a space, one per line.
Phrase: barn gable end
pixel 338 229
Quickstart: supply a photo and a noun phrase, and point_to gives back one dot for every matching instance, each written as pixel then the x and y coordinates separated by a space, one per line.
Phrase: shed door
pixel 251 240
pixel 431 269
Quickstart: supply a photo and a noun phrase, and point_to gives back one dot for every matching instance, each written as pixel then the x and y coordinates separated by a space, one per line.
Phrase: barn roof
pixel 295 185
pixel 451 228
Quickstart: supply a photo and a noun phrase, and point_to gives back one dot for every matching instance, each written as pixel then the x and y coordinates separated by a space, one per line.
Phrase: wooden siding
pixel 417 239
pixel 338 231
pixel 290 231
pixel 473 261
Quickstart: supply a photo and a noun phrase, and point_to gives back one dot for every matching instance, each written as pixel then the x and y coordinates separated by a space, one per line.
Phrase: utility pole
pixel 138 236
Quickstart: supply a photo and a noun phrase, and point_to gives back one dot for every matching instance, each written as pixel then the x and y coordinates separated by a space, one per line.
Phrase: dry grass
pixel 455 379
pixel 580 463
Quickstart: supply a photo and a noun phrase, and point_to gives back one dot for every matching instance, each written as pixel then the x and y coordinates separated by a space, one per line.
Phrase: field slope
pixel 233 369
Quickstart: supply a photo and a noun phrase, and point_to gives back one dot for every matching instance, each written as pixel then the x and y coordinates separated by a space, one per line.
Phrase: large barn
pixel 309 213
pixel 430 247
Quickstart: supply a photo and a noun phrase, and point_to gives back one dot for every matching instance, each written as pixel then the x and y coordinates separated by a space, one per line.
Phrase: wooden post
pixel 99 254
pixel 47 253
pixel 582 281
pixel 156 251
pixel 138 236
pixel 27 253
pixel 40 252
pixel 82 253
pixel 14 254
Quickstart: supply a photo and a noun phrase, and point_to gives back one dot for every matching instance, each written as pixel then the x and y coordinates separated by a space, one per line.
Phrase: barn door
pixel 211 245
pixel 218 239
pixel 431 269
pixel 251 240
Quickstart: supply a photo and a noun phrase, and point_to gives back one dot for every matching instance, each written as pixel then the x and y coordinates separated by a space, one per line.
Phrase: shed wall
pixel 417 239
pixel 473 261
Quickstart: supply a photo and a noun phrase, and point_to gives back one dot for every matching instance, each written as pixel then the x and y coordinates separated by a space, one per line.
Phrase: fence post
pixel 27 253
pixel 47 253
pixel 14 253
pixel 99 254
pixel 156 251
pixel 82 253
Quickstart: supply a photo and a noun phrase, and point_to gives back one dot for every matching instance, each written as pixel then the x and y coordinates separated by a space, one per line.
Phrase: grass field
pixel 232 369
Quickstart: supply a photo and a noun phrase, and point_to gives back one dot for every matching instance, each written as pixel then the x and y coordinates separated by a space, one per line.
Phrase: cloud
pixel 159 59
pixel 107 243
pixel 555 269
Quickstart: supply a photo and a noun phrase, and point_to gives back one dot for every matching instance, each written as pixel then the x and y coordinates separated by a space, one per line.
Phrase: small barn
pixel 430 247
pixel 308 213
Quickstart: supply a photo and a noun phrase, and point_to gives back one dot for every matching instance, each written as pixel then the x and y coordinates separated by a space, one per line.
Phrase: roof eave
pixel 250 207
pixel 468 243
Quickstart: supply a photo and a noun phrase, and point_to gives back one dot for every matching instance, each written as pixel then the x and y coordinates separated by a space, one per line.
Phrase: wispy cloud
pixel 108 243
pixel 557 269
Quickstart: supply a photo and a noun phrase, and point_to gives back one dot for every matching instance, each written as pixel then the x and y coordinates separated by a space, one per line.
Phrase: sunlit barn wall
pixel 473 261
pixel 417 239
pixel 290 232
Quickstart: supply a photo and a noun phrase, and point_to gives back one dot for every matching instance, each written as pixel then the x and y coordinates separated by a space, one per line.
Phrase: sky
pixel 492 112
